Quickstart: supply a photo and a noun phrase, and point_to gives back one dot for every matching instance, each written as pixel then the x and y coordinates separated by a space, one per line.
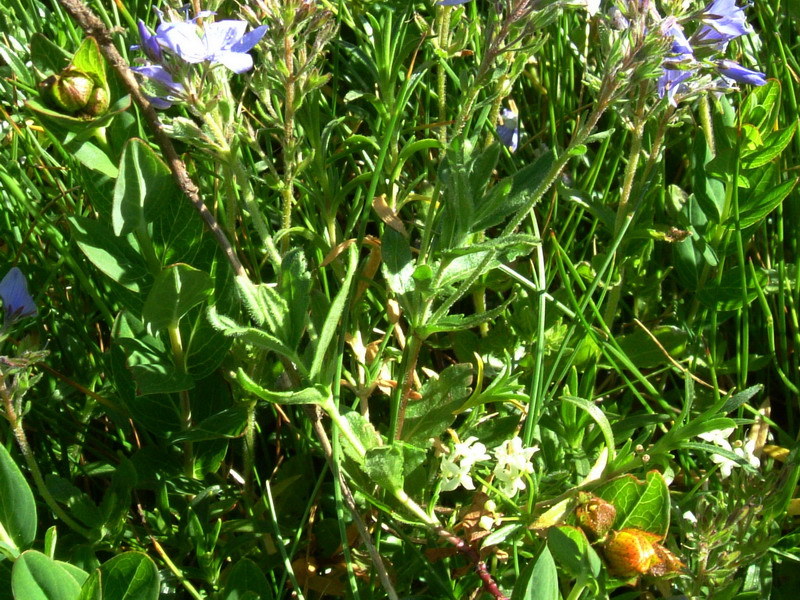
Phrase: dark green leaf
pixel 244 579
pixel 435 412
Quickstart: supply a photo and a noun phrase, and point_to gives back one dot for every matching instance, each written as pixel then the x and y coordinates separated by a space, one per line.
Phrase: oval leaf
pixel 17 506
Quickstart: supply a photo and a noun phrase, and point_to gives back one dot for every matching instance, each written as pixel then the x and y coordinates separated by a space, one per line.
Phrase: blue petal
pixel 451 2
pixel 508 132
pixel 249 40
pixel 740 74
pixel 183 40
pixel 149 43
pixel 17 302
pixel 222 35
pixel 238 62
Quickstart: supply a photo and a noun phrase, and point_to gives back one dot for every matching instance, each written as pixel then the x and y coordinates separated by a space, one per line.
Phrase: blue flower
pixel 451 2
pixel 17 302
pixel 149 44
pixel 169 90
pixel 722 21
pixel 224 42
pixel 681 54
pixel 508 130
pixel 740 74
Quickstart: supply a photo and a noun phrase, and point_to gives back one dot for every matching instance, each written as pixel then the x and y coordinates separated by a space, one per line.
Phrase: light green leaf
pixel 36 576
pixel 176 290
pixel 127 576
pixel 17 506
pixel 538 580
pixel 144 185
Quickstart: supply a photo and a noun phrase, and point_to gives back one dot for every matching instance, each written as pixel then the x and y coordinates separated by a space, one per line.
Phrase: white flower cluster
pixel 719 437
pixel 513 461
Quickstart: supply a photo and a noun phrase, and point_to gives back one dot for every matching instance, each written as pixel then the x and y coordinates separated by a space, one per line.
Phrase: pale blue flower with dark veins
pixel 723 21
pixel 17 302
pixel 508 130
pixel 733 70
pixel 224 42
pixel 168 89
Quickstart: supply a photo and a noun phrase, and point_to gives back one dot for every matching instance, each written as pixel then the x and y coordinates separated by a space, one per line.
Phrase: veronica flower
pixel 733 70
pixel 451 2
pixel 223 42
pixel 671 78
pixel 508 130
pixel 149 44
pixel 722 21
pixel 17 302
pixel 168 89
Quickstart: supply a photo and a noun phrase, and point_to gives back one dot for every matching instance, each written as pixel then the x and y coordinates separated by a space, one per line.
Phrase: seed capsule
pixel 630 552
pixel 595 516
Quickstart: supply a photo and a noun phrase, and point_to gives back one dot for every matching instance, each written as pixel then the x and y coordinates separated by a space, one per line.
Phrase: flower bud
pixel 630 552
pixel 73 91
pixel 595 516
pixel 98 102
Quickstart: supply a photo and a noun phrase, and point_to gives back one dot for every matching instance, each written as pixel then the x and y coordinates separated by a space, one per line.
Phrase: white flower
pixel 513 461
pixel 689 516
pixel 719 437
pixel 454 475
pixel 470 452
pixel 456 467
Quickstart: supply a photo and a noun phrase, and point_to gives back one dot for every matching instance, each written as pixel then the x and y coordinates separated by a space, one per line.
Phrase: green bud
pixel 98 102
pixel 75 92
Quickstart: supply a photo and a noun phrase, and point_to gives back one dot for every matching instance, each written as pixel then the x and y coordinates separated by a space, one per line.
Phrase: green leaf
pixel 642 505
pixel 88 59
pixel 36 576
pixel 754 208
pixel 331 325
pixel 127 576
pixel 47 57
pixel 245 580
pixel 93 157
pixel 509 195
pixel 571 549
pixel 384 465
pixel 148 361
pixel 176 290
pixel 396 261
pixel 774 144
pixel 364 431
pixel 295 288
pixel 538 580
pixel 310 395
pixel 441 398
pixel 599 417
pixel 114 256
pixel 727 294
pixel 227 424
pixel 645 353
pixel 144 185
pixel 17 506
